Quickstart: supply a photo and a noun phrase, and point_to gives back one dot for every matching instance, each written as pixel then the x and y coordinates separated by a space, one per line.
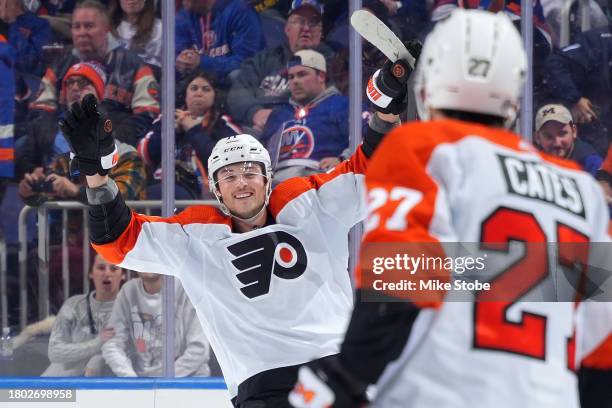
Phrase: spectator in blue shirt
pixel 216 36
pixel 27 33
pixel 313 125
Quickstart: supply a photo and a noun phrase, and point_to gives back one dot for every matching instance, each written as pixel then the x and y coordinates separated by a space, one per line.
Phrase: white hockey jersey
pixel 273 297
pixel 450 181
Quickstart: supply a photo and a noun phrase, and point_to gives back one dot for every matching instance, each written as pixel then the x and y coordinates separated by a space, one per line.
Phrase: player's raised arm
pixel 135 241
pixel 387 90
pixel 340 190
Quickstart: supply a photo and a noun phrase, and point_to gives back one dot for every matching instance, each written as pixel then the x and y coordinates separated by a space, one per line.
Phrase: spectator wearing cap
pixel 313 124
pixel 131 91
pixel 216 36
pixel 43 154
pixel 556 134
pixel 262 83
pixel 27 33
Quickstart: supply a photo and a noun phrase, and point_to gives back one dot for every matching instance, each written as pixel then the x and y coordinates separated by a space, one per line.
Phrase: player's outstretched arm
pixel 123 238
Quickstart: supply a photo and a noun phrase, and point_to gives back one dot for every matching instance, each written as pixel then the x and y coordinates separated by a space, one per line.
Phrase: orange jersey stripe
pixel 601 357
pixel 142 72
pixel 607 164
pixel 50 76
pixel 7 153
pixel 290 189
pixel 141 109
pixel 116 251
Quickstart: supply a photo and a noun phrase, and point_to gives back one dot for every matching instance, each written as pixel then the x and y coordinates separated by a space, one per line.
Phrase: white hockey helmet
pixel 238 149
pixel 473 61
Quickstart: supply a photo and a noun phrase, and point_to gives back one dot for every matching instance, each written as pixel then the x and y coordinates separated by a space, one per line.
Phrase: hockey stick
pixel 380 36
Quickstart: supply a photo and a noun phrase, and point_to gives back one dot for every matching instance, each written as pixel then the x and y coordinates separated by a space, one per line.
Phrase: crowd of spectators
pixel 276 69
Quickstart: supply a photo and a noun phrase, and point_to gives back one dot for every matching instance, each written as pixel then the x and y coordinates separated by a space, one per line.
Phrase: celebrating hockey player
pixel 267 272
pixel 460 176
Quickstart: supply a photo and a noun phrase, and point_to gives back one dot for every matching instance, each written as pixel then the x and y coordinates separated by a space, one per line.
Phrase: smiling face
pixel 557 138
pixel 199 97
pixel 106 278
pixel 243 188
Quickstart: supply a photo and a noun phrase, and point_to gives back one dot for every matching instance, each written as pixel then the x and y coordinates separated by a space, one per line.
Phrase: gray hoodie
pixel 136 348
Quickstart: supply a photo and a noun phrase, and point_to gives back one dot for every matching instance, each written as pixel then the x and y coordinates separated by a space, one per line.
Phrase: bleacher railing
pixel 43 251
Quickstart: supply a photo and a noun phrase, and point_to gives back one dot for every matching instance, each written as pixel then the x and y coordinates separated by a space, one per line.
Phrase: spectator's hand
pixel 90 135
pixel 391 6
pixel 323 383
pixel 583 111
pixel 327 163
pixel 187 61
pixel 25 185
pixel 184 121
pixel 62 187
pixel 106 334
pixel 260 118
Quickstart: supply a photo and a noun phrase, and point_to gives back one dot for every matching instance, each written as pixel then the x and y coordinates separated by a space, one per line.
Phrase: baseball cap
pixel 314 4
pixel 90 70
pixel 556 112
pixel 308 58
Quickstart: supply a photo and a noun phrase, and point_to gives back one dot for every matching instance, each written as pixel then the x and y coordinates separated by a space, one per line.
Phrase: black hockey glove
pixel 387 88
pixel 325 383
pixel 90 135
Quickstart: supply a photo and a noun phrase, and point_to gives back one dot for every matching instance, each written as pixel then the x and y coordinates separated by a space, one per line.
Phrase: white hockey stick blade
pixel 380 36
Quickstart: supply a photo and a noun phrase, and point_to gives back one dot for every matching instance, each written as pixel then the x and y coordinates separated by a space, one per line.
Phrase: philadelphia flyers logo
pixel 259 258
pixel 108 126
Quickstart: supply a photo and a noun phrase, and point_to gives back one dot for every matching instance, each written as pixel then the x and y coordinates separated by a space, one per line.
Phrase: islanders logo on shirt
pixel 297 142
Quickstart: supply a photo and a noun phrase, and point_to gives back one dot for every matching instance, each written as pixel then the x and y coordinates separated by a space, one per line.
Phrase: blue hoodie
pixel 7 92
pixel 235 33
pixel 313 132
pixel 28 34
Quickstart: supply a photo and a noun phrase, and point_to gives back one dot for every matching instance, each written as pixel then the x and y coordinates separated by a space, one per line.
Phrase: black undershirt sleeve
pixel 376 336
pixel 109 216
pixel 377 128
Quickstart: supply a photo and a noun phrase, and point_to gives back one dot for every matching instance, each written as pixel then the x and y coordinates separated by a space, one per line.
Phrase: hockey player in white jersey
pixel 461 176
pixel 267 273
